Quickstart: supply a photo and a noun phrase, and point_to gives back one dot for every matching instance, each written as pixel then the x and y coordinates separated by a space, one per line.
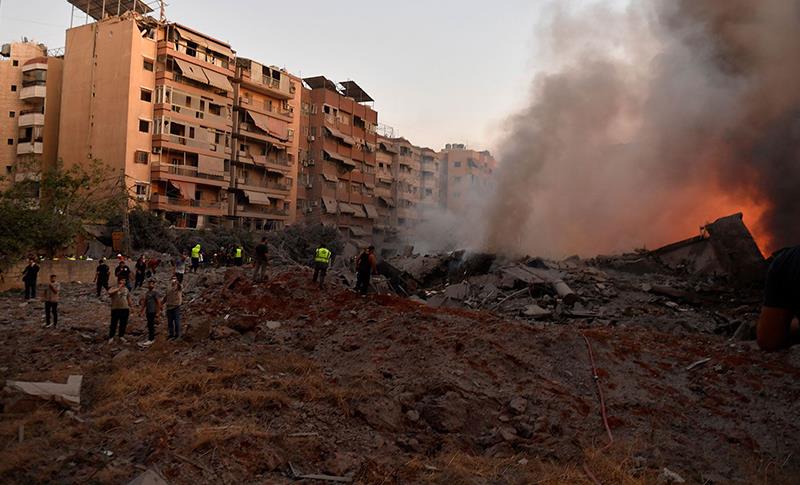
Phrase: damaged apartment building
pixel 202 136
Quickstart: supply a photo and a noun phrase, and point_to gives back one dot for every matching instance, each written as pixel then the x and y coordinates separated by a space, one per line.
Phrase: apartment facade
pixel 30 103
pixel 266 123
pixel 337 173
pixel 386 187
pixel 465 173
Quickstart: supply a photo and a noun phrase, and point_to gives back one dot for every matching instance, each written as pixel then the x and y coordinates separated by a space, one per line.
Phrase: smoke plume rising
pixel 655 119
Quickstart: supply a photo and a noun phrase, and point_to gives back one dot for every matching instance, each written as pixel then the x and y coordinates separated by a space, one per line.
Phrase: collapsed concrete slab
pixel 68 394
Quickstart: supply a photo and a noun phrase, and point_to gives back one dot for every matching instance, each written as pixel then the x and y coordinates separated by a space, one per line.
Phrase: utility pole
pixel 126 223
pixel 163 13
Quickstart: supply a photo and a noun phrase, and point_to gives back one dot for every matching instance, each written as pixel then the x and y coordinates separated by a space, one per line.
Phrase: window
pixel 141 188
pixel 9 169
pixel 11 114
pixel 10 141
pixel 13 88
pixel 141 156
pixel 15 63
pixel 144 126
pixel 215 109
pixel 148 65
pixel 191 132
pixel 146 95
pixel 326 109
pixel 456 164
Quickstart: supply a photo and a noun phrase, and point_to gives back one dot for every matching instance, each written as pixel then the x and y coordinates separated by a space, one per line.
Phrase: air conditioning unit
pixel 141 197
pixel 309 210
pixel 311 138
pixel 309 163
pixel 314 203
pixel 156 150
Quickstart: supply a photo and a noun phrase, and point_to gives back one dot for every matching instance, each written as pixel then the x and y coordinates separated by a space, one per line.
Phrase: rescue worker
pixel 322 260
pixel 237 255
pixel 366 266
pixel 195 257
pixel 781 302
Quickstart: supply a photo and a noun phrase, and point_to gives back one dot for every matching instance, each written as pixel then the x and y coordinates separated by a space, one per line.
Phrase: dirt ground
pixel 278 379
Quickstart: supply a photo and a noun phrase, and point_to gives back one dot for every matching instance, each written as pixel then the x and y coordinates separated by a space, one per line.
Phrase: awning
pixel 261 121
pixel 359 231
pixel 329 178
pixel 389 147
pixel 384 180
pixel 218 80
pixel 329 204
pixel 257 197
pixel 359 211
pixel 341 158
pixel 338 134
pixel 345 208
pixel 372 147
pixel 204 41
pixel 369 184
pixel 372 212
pixel 189 70
pixel 386 200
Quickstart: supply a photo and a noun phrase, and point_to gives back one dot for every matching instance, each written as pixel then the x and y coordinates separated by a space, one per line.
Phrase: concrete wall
pixel 67 272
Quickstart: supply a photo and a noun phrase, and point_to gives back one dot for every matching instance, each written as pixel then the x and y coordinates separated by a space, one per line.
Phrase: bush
pixel 300 241
pixel 214 239
pixel 148 231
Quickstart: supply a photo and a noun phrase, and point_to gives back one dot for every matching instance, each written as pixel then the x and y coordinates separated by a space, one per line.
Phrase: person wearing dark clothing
pixel 781 305
pixel 120 310
pixel 261 260
pixel 322 259
pixel 141 269
pixel 29 276
pixel 173 301
pixel 366 266
pixel 101 276
pixel 123 272
pixel 51 294
pixel 152 266
pixel 151 307
pixel 238 256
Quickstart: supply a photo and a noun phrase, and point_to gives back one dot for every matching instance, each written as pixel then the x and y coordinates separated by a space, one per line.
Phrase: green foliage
pixel 149 231
pixel 214 239
pixel 69 198
pixel 301 240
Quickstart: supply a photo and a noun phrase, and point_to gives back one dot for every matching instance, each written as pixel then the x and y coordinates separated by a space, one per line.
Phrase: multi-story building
pixel 264 169
pixel 338 171
pixel 430 170
pixel 465 173
pixel 386 187
pixel 30 101
pixel 408 181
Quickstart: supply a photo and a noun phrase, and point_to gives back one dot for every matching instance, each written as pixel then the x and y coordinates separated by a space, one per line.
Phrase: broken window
pixel 148 65
pixel 359 122
pixel 144 126
pixel 215 109
pixel 146 95
pixel 141 156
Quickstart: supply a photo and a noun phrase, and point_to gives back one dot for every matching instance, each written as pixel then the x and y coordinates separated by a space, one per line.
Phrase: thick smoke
pixel 655 120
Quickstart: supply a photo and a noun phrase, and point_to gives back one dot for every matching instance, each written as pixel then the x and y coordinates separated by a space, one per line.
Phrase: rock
pixel 518 405
pixel 342 464
pixel 536 311
pixel 669 476
pixel 447 414
pixel 200 331
pixel 243 323
pixel 121 355
pixel 272 325
pixel 524 430
pixel 412 415
pixel 508 433
pixel 381 413
pixel 221 332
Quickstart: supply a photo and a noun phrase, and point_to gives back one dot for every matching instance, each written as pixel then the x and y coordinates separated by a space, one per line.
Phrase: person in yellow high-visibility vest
pixel 322 259
pixel 195 257
pixel 237 255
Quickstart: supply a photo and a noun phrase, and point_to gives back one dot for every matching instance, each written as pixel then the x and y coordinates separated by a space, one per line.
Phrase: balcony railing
pixel 189 171
pixel 201 204
pixel 264 185
pixel 273 211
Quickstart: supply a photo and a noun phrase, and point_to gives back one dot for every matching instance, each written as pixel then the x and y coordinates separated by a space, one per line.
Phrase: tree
pixel 47 210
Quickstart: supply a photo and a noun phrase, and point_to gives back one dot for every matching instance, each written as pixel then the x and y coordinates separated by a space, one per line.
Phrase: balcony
pixel 30 147
pixel 281 89
pixel 216 178
pixel 31 119
pixel 173 204
pixel 33 92
pixel 257 212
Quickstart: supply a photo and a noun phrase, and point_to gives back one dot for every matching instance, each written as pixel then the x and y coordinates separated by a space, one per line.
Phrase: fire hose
pixel 599 389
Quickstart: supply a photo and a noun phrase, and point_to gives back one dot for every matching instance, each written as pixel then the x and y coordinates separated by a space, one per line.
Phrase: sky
pixel 444 71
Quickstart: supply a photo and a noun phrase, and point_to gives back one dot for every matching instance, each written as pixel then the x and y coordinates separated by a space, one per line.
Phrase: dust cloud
pixel 653 120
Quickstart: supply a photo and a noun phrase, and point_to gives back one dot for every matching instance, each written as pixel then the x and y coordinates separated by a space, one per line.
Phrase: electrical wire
pixel 599 389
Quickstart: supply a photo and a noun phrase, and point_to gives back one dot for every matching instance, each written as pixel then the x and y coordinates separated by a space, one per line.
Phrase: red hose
pixel 599 389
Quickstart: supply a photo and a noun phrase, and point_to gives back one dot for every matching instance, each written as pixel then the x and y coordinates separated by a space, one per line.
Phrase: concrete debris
pixel 68 394
pixel 535 311
pixel 149 477
pixel 669 476
pixel 518 405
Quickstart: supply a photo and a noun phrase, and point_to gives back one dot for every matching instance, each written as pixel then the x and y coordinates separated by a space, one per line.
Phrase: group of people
pixel 366 265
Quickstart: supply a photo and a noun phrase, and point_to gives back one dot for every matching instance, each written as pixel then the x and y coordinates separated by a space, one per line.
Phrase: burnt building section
pixel 337 173
pixel 724 247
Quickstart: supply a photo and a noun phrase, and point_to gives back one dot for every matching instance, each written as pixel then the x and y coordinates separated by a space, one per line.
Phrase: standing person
pixel 151 307
pixel 29 276
pixel 51 301
pixel 173 301
pixel 120 310
pixel 152 266
pixel 123 273
pixel 322 259
pixel 237 255
pixel 781 305
pixel 141 269
pixel 261 260
pixel 195 257
pixel 366 266
pixel 101 276
pixel 180 267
